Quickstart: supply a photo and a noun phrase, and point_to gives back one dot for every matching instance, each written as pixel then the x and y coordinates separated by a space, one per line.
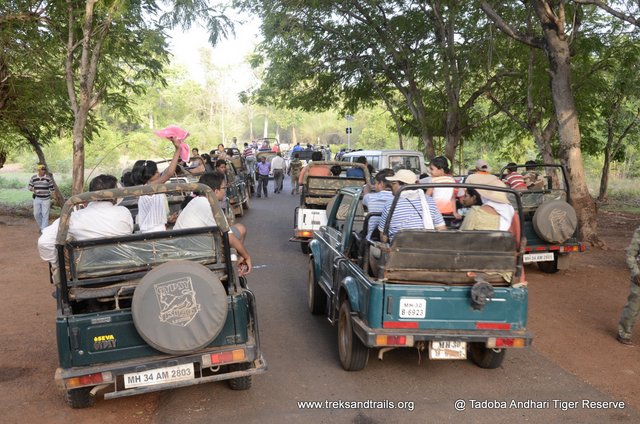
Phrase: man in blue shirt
pixel 414 210
pixel 376 201
pixel 357 172
pixel 263 169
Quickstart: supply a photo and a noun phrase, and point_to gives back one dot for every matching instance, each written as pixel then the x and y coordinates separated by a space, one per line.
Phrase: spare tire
pixel 179 307
pixel 555 221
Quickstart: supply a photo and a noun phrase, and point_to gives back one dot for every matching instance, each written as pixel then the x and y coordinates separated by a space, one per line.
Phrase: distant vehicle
pixel 316 194
pixel 451 294
pixel 550 222
pixel 394 159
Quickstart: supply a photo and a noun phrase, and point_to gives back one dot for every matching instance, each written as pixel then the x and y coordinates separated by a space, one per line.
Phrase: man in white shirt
pixel 198 214
pixel 98 219
pixel 277 166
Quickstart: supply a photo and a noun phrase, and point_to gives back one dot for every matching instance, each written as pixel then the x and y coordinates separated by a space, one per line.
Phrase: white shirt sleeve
pixel 47 243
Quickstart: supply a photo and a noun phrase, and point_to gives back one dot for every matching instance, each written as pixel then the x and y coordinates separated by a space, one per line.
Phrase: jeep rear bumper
pixel 368 335
pixel 254 362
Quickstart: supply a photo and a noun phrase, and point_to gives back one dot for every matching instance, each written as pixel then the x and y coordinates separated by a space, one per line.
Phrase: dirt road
pixel 572 314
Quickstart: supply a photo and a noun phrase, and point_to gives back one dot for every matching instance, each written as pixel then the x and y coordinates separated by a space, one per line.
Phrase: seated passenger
pixel 153 211
pixel 532 178
pixel 375 202
pixel 336 170
pixel 496 212
pixel 414 210
pixel 513 178
pixel 197 165
pixel 357 172
pixel 316 171
pixel 198 214
pixel 99 219
pixel 443 196
pixel 470 198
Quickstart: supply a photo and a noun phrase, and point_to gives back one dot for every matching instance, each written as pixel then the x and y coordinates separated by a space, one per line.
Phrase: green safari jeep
pixel 152 311
pixel 453 294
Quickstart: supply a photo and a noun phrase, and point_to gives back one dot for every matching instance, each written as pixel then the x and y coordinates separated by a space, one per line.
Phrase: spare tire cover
pixel 555 221
pixel 179 307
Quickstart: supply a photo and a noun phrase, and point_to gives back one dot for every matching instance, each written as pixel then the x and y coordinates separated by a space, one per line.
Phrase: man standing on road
pixel 41 185
pixel 250 159
pixel 632 308
pixel 277 165
pixel 262 169
pixel 294 170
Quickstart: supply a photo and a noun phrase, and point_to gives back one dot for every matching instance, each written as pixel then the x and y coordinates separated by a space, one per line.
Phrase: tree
pixel 555 42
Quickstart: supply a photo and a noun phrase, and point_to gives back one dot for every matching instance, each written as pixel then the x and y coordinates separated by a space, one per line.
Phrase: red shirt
pixel 515 181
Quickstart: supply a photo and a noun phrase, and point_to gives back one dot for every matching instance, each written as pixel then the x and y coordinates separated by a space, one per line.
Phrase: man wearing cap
pixel 482 167
pixel 41 185
pixel 414 210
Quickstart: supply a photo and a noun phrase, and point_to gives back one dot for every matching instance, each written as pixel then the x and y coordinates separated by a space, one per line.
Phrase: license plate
pixel 537 257
pixel 413 308
pixel 159 376
pixel 446 349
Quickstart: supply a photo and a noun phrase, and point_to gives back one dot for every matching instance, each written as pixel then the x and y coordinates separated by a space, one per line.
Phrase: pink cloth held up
pixel 174 131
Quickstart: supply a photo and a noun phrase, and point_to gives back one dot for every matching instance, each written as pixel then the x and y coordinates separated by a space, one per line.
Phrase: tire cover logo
pixel 177 301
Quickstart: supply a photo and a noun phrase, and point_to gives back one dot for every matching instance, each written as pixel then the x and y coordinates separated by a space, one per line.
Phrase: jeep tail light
pixel 88 380
pixel 305 233
pixel 394 340
pixel 493 326
pixel 400 324
pixel 220 358
pixel 571 249
pixel 500 342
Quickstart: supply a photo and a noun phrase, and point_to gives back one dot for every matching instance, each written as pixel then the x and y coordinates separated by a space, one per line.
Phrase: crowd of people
pixel 475 209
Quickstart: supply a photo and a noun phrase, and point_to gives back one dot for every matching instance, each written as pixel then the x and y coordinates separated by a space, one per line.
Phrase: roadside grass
pixel 13 196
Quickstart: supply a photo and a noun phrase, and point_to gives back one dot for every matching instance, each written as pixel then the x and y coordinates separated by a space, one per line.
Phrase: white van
pixel 394 159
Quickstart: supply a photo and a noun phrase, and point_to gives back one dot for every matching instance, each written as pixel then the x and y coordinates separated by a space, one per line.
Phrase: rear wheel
pixel 353 353
pixel 304 246
pixel 316 298
pixel 549 267
pixel 79 398
pixel 485 357
pixel 240 383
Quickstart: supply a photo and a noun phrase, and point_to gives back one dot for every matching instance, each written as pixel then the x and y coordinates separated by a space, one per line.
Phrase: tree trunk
pixel 558 54
pixel 604 177
pixel 78 152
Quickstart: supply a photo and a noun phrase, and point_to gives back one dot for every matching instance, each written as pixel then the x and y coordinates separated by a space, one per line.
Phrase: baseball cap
pixel 404 175
pixel 482 165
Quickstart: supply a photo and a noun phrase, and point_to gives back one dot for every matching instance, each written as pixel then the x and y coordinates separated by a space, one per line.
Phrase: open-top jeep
pixel 550 222
pixel 151 311
pixel 316 194
pixel 453 293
